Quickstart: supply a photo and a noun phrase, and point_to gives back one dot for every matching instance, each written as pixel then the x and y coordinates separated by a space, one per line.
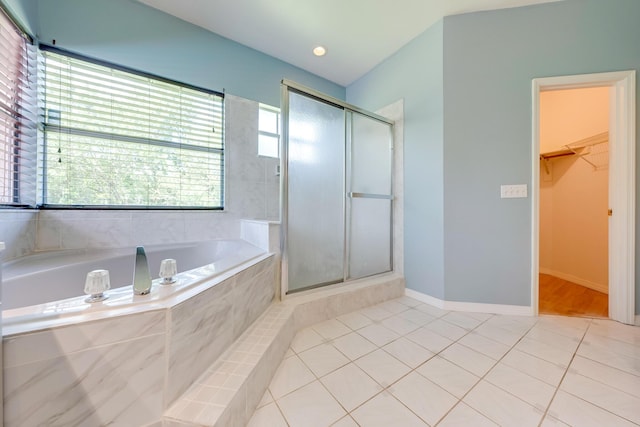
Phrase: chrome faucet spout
pixel 141 275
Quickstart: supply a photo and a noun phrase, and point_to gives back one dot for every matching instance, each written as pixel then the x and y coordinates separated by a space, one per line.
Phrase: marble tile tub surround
pixel 229 391
pixel 18 231
pixel 252 192
pixel 125 370
pixel 263 234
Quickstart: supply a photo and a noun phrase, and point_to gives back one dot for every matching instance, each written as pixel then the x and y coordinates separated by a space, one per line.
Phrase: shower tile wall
pixel 253 187
pixel 252 192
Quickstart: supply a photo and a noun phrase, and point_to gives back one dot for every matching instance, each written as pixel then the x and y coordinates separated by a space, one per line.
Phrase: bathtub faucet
pixel 141 275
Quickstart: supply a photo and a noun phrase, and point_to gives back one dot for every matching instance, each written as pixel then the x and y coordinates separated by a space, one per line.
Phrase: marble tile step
pixel 227 394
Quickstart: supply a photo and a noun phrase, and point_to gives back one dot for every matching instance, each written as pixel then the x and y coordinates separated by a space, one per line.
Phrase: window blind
pixel 116 138
pixel 17 116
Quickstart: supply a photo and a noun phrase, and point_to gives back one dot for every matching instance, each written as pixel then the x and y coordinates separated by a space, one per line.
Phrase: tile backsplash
pixel 252 192
pixel 18 232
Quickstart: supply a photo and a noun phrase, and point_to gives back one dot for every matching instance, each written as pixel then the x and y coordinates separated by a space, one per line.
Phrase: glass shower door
pixel 315 211
pixel 370 196
pixel 336 191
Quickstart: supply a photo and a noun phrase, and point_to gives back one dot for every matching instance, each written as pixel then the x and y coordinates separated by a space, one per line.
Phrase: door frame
pixel 622 184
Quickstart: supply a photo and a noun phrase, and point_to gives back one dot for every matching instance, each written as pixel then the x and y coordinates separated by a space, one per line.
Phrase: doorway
pixel 574 186
pixel 621 185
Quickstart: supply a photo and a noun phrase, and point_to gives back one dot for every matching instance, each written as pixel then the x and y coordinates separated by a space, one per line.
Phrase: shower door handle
pixel 354 195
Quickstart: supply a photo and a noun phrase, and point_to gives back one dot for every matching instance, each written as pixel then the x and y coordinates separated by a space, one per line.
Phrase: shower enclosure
pixel 336 190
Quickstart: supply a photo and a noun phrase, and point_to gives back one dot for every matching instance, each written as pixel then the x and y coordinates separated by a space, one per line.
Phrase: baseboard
pixel 427 299
pixel 600 287
pixel 637 319
pixel 514 310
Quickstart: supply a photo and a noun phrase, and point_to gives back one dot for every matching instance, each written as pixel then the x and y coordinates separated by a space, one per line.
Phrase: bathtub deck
pixel 230 390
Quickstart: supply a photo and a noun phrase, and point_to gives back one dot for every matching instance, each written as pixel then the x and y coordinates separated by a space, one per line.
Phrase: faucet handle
pixel 96 283
pixel 168 269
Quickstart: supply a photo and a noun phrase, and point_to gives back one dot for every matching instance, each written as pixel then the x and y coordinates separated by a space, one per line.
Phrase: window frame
pixel 43 127
pixel 275 110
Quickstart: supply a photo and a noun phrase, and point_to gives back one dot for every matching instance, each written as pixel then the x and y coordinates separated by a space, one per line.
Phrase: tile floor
pixel 403 363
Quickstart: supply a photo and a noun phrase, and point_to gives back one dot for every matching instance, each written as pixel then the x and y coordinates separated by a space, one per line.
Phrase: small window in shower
pixel 268 131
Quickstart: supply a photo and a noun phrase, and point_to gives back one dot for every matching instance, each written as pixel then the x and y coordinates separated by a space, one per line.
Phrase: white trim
pixel 622 196
pixel 471 307
pixel 622 193
pixel 427 299
pixel 535 196
pixel 600 287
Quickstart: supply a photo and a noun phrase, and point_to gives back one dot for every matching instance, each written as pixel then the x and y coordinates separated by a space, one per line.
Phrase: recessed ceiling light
pixel 319 51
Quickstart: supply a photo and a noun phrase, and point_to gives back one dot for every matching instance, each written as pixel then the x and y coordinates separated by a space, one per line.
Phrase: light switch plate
pixel 513 191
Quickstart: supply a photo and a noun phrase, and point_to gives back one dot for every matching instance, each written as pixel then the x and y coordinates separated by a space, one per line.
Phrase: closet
pixel 574 182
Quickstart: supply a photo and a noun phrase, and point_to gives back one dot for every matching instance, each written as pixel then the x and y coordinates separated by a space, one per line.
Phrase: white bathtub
pixel 50 285
pixel 124 360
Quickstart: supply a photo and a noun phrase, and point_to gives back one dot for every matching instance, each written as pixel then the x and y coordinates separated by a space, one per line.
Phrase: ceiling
pixel 358 34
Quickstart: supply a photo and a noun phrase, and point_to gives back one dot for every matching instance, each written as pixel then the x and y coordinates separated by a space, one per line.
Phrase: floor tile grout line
pixel 616 340
pixel 555 392
pixel 317 378
pixel 557 387
pixel 460 399
pixel 389 388
pixel 579 397
pixel 275 401
pixel 296 353
pixel 415 370
pixel 480 379
pixel 610 367
pixel 350 361
pixel 384 388
pixel 596 406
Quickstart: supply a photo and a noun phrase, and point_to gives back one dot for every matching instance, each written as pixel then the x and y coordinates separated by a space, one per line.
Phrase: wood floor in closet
pixel 558 296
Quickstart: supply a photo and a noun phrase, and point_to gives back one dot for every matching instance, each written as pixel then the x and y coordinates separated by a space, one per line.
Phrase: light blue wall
pixel 129 33
pixel 414 74
pixel 459 154
pixel 25 12
pixel 490 60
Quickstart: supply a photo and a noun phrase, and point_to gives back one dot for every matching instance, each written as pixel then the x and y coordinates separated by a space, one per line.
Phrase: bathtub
pixel 39 287
pixel 122 361
pixel 50 276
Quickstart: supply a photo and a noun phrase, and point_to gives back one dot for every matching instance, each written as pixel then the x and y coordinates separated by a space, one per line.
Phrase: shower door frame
pixel 286 87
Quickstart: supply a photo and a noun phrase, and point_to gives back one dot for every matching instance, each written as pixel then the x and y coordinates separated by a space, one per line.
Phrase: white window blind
pixel 116 138
pixel 17 116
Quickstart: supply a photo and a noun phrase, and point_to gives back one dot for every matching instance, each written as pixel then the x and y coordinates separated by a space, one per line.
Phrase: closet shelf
pixel 556 154
pixel 593 150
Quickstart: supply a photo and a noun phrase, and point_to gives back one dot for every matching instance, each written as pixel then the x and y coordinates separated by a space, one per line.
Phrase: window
pixel 117 138
pixel 268 131
pixel 17 117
